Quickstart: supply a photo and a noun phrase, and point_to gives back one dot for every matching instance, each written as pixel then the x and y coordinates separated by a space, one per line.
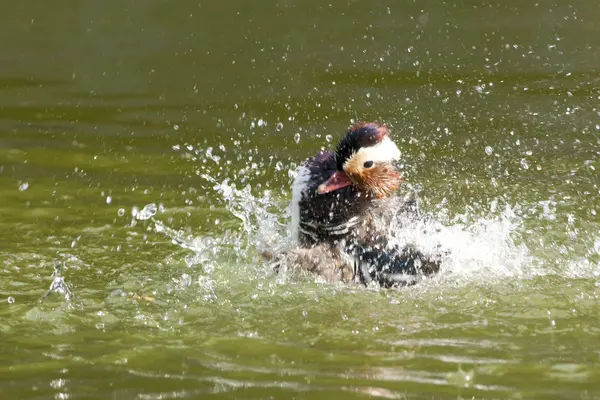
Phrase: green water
pixel 107 107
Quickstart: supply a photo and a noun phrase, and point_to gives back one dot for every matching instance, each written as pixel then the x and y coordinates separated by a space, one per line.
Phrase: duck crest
pixel 359 136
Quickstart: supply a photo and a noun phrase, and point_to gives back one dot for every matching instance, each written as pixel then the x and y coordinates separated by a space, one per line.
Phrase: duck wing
pixel 374 259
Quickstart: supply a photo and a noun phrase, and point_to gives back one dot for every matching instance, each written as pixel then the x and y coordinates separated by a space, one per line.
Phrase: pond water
pixel 146 155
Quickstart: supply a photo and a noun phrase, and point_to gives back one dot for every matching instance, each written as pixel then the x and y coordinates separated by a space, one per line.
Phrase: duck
pixel 344 203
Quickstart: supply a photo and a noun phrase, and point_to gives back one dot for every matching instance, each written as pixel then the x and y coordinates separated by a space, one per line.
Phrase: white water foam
pixel 470 245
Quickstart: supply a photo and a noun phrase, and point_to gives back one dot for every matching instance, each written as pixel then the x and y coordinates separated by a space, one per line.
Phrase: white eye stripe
pixel 385 151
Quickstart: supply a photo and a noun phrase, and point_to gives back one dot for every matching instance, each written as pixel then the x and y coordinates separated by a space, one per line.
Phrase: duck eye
pixel 368 164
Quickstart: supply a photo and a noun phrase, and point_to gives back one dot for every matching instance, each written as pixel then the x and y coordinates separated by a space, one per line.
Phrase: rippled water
pixel 146 153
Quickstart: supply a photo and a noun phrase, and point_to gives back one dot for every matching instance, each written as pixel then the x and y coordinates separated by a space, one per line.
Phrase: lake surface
pixel 146 154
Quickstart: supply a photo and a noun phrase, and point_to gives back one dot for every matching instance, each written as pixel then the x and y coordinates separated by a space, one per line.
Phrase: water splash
pixel 147 212
pixel 262 227
pixel 484 241
pixel 473 244
pixel 59 285
pixel 260 215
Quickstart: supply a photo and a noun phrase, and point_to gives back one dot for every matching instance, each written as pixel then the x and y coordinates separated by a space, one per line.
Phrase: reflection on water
pixel 146 153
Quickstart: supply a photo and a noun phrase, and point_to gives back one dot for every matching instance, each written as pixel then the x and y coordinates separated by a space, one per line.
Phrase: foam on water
pixel 485 246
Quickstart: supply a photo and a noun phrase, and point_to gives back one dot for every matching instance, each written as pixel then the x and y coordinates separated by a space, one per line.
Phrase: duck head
pixel 365 159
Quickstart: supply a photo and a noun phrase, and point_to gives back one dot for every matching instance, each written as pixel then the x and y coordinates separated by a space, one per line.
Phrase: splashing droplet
pixel 329 138
pixel 279 126
pixel 11 300
pixel 488 150
pixel 297 138
pixel 24 186
pixel 147 212
pixel 186 280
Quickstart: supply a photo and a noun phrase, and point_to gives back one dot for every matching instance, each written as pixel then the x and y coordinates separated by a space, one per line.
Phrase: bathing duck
pixel 343 205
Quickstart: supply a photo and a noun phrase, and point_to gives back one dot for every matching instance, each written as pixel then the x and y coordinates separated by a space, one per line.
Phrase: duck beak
pixel 337 181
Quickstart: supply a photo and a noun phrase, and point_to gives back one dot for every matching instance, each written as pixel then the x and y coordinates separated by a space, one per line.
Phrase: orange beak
pixel 337 181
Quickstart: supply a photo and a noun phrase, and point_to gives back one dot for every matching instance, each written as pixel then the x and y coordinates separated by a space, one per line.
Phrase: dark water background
pixel 205 108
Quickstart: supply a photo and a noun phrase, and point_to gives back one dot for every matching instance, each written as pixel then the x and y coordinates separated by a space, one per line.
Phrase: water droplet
pixel 186 280
pixel 524 163
pixel 147 212
pixel 108 199
pixel 176 127
pixel 279 166
pixel 279 126
pixel 489 150
pixel 329 138
pixel 121 212
pixel 11 300
pixel 23 186
pixel 597 246
pixel 297 138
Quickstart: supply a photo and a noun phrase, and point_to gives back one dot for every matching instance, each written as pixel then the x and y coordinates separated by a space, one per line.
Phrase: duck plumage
pixel 343 205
